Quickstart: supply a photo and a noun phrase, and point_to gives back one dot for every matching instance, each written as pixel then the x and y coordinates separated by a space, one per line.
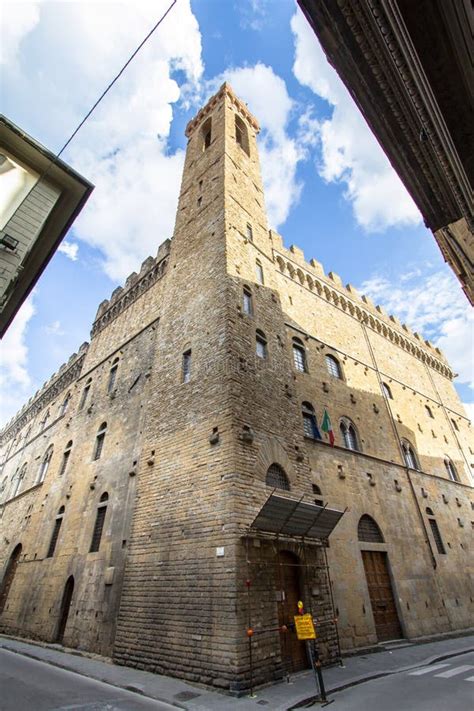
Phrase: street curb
pixel 129 687
pixel 378 675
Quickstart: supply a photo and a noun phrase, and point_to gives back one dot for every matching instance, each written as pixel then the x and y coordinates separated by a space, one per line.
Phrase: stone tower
pixel 131 481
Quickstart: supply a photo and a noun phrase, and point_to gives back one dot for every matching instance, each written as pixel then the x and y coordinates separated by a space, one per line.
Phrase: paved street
pixel 445 686
pixel 29 685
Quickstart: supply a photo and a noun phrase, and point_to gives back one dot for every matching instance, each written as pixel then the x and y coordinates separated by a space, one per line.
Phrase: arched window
pixel 99 523
pixel 64 405
pixel 333 366
pixel 206 134
pixel 66 455
pixel 247 301
pixel 241 134
pixel 317 492
pixel 310 426
pixel 276 478
pixel 99 441
pixel 44 421
pixel 451 469
pixel 9 576
pixel 55 535
pixel 259 272
pixel 299 355
pixel 435 531
pixel 44 466
pixel 17 480
pixel 349 435
pixel 368 530
pixel 409 454
pixel 260 344
pixel 85 393
pixel 186 366
pixel 428 412
pixel 386 391
pixel 112 375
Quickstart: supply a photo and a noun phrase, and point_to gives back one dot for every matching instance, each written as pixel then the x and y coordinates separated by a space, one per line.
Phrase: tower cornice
pixel 225 90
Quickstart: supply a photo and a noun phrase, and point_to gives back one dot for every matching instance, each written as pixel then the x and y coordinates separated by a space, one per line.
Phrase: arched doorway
pixel 65 607
pixel 9 575
pixel 288 584
pixel 382 599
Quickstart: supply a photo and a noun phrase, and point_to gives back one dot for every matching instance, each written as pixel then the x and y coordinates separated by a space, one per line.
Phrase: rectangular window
pixel 247 302
pixel 187 366
pixel 238 136
pixel 308 426
pixel 259 273
pixel 249 232
pixel 99 443
pixel 54 538
pixel 99 525
pixel 437 536
pixel 298 358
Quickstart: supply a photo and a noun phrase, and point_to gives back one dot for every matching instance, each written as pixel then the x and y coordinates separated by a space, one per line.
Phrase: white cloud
pixel 17 21
pixel 15 382
pixel 70 249
pixel 122 149
pixel 55 329
pixel 267 98
pixel 469 407
pixel 433 305
pixel 349 152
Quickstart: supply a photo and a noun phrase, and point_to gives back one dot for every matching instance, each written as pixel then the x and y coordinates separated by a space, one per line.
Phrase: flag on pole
pixel 327 427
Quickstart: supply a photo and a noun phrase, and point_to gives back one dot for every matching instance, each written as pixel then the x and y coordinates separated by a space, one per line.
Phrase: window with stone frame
pixel 113 375
pixel 99 441
pixel 299 355
pixel 44 466
pixel 451 469
pixel 99 523
pixel 349 435
pixel 261 344
pixel 409 454
pixel 247 301
pixel 64 405
pixel 436 532
pixel 65 459
pixel 368 530
pixel 55 534
pixel 310 426
pixel 241 134
pixel 186 366
pixel 276 477
pixel 259 272
pixel 249 232
pixel 85 393
pixel 206 133
pixel 333 366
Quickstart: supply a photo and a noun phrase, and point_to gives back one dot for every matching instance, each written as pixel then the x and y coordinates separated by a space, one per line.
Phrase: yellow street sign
pixel 304 627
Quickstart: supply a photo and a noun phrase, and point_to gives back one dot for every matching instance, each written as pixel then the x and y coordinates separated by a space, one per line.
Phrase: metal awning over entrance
pixel 283 516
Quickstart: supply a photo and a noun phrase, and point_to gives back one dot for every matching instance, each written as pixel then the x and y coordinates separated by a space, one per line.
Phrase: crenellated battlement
pixel 311 275
pixel 67 373
pixel 225 90
pixel 135 285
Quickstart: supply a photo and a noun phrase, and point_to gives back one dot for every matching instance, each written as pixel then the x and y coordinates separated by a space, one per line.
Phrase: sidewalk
pixel 277 697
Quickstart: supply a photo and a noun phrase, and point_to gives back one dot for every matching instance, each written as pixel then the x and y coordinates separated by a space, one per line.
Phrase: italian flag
pixel 327 427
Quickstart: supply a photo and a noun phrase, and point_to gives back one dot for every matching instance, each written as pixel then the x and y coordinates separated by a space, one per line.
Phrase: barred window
pixel 310 426
pixel 261 344
pixel 247 301
pixel 436 532
pixel 349 435
pixel 368 531
pixel 451 469
pixel 66 455
pixel 55 535
pixel 99 441
pixel 276 478
pixel 112 375
pixel 44 466
pixel 259 272
pixel 409 454
pixel 386 391
pixel 99 523
pixel 333 366
pixel 299 355
pixel 186 366
pixel 85 393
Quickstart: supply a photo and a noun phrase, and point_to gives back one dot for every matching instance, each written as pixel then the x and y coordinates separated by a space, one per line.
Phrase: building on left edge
pixel 40 197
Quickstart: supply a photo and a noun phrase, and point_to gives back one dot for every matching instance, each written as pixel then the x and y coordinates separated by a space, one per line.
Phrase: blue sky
pixel 329 187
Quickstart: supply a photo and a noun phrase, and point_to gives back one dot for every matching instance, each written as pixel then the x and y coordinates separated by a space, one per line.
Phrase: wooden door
pixel 293 651
pixel 65 607
pixel 387 624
